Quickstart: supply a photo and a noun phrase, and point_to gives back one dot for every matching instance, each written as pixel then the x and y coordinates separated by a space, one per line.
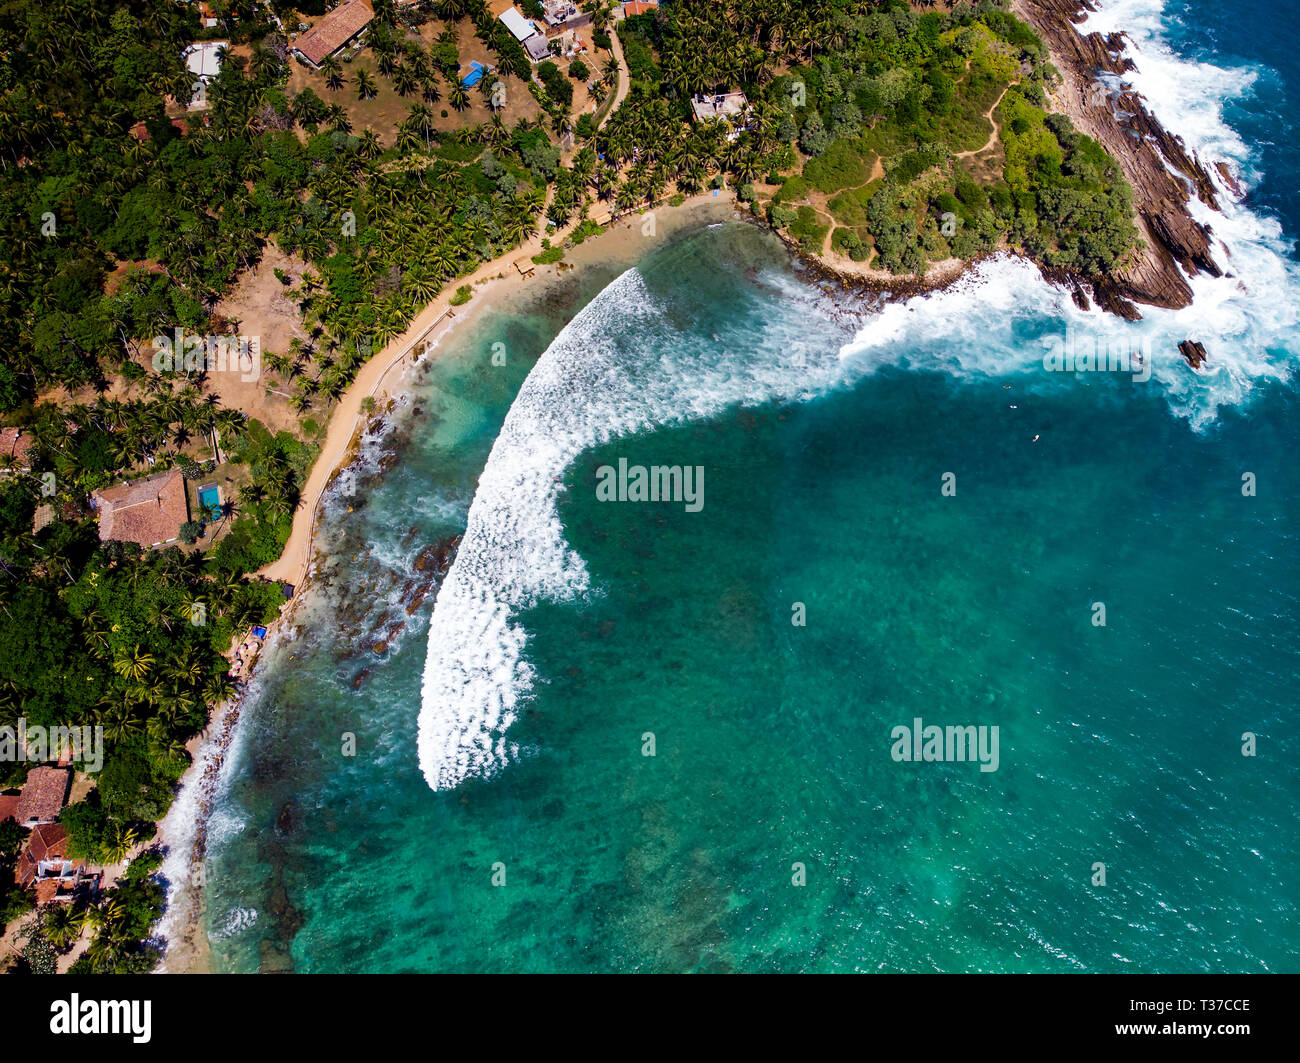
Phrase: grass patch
pixel 842 165
pixel 911 164
pixel 847 210
pixel 454 152
pixel 795 188
pixel 809 229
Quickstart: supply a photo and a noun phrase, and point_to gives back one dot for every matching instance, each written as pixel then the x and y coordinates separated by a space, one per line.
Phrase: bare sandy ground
pixel 620 246
pixel 259 306
pixel 380 376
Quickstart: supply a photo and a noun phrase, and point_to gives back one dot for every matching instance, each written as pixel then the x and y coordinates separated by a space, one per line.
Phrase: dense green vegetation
pixel 842 90
pixel 130 217
pixel 914 92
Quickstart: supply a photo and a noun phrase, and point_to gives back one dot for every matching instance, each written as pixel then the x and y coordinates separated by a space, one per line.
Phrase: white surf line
pixel 616 369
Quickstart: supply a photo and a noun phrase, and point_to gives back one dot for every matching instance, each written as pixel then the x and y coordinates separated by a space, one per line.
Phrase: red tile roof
pixel 43 795
pixel 47 890
pixel 47 842
pixel 15 443
pixel 334 30
pixel 148 511
pixel 8 807
pixel 639 7
pixel 141 132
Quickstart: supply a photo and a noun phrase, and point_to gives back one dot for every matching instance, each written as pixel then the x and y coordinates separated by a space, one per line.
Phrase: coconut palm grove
pixel 140 497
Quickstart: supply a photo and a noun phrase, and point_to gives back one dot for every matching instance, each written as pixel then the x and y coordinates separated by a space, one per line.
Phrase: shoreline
pixel 1175 244
pixel 491 280
pixel 1156 163
pixel 1163 173
pixel 184 829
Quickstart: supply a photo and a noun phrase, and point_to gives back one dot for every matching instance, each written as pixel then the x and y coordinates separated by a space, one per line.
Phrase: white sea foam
pixel 593 384
pixel 236 922
pixel 1247 319
pixel 207 783
pixel 583 392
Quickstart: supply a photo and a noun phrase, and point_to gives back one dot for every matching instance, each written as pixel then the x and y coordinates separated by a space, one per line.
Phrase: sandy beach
pixel 619 247
pixel 624 241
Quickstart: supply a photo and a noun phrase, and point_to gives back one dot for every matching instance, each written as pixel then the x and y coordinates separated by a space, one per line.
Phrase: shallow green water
pixel 1118 744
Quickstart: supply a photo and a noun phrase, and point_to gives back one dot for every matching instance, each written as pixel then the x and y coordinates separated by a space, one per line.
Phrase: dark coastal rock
pixel 1113 298
pixel 1229 179
pixel 1194 353
pixel 379 648
pixel 1153 161
pixel 437 557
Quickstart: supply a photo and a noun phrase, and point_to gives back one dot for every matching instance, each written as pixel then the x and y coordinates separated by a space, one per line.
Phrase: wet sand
pixel 619 247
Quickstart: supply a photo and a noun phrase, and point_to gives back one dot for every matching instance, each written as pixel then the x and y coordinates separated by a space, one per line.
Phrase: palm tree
pixel 420 119
pixel 119 841
pixel 333 71
pixel 103 915
pixel 370 147
pixel 123 723
pixel 387 64
pixel 405 81
pixel 62 926
pixel 133 665
pixel 217 689
pixel 366 88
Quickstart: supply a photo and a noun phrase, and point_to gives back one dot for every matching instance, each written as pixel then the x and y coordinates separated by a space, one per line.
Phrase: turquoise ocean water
pixel 500 813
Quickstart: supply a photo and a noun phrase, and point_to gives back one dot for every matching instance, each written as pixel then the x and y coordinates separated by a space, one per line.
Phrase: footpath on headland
pixel 1174 242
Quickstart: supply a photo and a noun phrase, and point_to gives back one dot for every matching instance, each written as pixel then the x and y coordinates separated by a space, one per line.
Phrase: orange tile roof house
pixel 332 32
pixel 15 443
pixel 46 865
pixel 43 795
pixel 149 511
pixel 639 7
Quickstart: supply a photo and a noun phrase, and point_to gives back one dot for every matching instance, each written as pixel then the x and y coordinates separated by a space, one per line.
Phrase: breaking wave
pixel 620 367
pixel 1246 319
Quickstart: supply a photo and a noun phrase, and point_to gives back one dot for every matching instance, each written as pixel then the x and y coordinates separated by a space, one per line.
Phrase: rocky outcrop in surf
pixel 1194 353
pixel 1163 173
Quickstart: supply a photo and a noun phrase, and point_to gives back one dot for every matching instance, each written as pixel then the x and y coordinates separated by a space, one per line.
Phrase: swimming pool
pixel 210 502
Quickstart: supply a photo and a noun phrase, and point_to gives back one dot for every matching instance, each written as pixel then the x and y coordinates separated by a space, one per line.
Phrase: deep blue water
pixel 572 631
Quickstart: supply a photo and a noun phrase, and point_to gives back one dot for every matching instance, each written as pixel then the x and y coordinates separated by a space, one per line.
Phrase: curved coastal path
pixel 996 135
pixel 624 76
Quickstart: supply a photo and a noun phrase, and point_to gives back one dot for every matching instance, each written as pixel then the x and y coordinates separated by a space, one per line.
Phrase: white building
pixel 204 60
pixel 517 24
